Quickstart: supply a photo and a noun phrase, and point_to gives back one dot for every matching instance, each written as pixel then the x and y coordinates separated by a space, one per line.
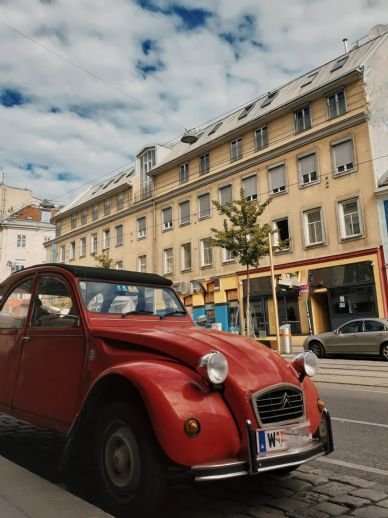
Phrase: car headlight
pixel 305 364
pixel 213 367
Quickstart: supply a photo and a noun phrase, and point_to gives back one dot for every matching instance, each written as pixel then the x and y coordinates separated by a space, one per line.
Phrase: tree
pixel 243 236
pixel 104 260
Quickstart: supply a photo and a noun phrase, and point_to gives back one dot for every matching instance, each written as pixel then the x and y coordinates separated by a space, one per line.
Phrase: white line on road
pixel 354 466
pixel 342 419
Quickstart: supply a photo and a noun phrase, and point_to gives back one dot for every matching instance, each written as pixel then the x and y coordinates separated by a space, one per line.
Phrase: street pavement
pixel 31 486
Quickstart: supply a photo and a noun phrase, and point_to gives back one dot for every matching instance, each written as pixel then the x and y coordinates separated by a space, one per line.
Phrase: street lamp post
pixel 275 300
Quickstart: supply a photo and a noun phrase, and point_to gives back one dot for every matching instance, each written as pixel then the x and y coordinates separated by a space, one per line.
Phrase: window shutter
pixel 250 187
pixel 277 178
pixel 343 153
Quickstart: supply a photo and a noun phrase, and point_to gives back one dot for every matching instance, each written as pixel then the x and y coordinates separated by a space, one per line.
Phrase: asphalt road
pixel 360 424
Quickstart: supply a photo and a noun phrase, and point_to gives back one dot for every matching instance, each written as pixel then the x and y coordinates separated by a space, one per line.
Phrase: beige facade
pixel 306 145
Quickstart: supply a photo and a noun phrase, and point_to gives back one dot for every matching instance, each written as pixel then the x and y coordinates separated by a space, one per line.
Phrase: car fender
pixel 173 393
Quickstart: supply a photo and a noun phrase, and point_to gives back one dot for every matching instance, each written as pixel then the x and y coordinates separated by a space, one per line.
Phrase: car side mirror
pixel 201 320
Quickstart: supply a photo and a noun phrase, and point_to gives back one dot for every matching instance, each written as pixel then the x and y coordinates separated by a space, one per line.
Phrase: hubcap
pixel 122 459
pixel 385 352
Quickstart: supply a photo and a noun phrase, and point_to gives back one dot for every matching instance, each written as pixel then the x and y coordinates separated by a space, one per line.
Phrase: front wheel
pixel 128 466
pixel 384 351
pixel 317 348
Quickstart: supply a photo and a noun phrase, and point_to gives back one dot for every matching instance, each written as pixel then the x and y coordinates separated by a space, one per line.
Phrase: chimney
pixel 345 42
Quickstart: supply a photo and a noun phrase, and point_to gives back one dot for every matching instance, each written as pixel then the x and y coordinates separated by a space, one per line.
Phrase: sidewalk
pixel 23 494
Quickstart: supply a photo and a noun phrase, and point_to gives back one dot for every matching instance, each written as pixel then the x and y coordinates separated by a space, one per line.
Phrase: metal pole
pixel 275 300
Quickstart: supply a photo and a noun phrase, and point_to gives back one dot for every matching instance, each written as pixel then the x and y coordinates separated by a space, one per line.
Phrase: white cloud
pixel 74 124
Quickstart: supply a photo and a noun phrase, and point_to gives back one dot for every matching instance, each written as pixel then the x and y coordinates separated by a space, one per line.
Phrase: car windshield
pixel 126 299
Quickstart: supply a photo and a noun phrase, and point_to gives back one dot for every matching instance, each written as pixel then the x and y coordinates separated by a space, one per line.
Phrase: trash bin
pixel 285 338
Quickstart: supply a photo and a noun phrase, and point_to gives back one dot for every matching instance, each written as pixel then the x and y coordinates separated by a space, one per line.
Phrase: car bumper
pixel 256 463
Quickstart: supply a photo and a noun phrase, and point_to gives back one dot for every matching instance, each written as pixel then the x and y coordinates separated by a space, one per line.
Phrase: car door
pixel 374 334
pixel 13 320
pixel 50 378
pixel 348 338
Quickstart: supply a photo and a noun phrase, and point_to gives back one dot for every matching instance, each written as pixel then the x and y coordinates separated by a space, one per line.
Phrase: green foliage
pixel 242 233
pixel 104 260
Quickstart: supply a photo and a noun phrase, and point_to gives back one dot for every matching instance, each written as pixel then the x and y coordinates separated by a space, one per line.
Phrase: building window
pixel 343 156
pixel 277 179
pixel 58 229
pixel 336 104
pixel 73 221
pixel 72 251
pixel 105 238
pixel 236 149
pixel 302 119
pixel 107 206
pixel 183 173
pixel 120 201
pixel 309 79
pixel 93 243
pixel 82 246
pixel 313 226
pixel 227 256
pixel 119 235
pixel 204 206
pixel 249 185
pixel 21 241
pixel 186 256
pixel 168 261
pixel 141 227
pixel 184 212
pixel 225 194
pixel 261 138
pixel 62 254
pixel 281 236
pixel 350 218
pixel 167 218
pixel 307 165
pixel 95 212
pixel 147 161
pixel 119 265
pixel 84 216
pixel 45 216
pixel 142 263
pixel 206 253
pixel 204 164
pixel 215 128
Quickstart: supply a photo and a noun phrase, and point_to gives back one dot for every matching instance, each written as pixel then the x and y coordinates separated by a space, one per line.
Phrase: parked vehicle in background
pixel 364 336
pixel 112 360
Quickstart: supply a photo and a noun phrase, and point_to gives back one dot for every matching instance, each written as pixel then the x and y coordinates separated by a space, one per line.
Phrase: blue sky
pixel 83 88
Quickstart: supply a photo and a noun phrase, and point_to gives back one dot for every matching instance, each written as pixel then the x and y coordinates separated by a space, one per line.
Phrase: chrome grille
pixel 282 404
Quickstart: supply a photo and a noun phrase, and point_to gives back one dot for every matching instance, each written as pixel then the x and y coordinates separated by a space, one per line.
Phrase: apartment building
pixel 317 146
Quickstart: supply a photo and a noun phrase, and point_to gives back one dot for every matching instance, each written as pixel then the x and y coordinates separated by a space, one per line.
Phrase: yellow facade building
pixel 317 146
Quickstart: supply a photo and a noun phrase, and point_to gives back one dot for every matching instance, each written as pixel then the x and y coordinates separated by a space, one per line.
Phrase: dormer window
pixel 147 160
pixel 270 97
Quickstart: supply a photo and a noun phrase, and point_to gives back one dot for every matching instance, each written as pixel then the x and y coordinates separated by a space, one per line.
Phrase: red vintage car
pixel 113 360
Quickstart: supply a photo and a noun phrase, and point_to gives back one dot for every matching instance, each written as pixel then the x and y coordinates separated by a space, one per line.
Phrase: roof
pixel 312 80
pixel 91 272
pixel 112 183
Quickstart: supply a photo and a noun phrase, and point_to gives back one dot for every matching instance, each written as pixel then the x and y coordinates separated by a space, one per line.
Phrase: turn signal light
pixel 192 427
pixel 321 405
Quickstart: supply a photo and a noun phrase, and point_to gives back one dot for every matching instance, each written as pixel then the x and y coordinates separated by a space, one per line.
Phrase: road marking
pixel 359 422
pixel 354 466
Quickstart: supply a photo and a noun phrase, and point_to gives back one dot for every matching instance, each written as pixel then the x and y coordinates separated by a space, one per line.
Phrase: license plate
pixel 289 437
pixel 271 440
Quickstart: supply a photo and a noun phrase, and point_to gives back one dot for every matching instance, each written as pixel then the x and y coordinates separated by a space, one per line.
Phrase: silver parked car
pixel 366 336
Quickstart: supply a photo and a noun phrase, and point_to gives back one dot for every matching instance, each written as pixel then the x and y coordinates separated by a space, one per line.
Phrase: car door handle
pixel 26 338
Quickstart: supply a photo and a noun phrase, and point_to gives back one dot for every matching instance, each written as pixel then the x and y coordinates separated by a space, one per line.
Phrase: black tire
pixel 317 348
pixel 384 351
pixel 128 467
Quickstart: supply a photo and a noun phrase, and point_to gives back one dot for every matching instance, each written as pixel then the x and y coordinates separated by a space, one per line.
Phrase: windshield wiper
pixel 172 313
pixel 136 312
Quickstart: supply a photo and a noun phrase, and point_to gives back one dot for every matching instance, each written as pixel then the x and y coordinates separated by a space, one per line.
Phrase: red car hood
pixel 251 364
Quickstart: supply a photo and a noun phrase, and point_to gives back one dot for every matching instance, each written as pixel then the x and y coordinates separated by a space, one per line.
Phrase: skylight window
pixel 309 79
pixel 339 63
pixel 119 177
pixel 246 110
pixel 215 128
pixel 270 97
pixel 108 183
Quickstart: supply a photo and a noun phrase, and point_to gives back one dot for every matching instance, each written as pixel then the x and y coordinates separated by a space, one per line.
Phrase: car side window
pixel 53 305
pixel 15 307
pixel 372 325
pixel 352 327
